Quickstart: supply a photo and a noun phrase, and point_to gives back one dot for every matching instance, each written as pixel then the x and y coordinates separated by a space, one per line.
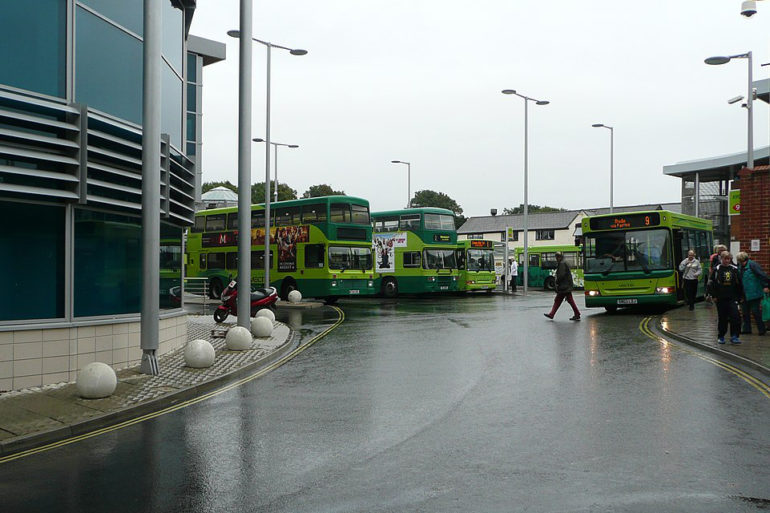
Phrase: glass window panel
pixel 410 222
pixel 200 224
pixel 33 42
pixel 258 260
pixel 192 68
pixel 108 264
pixel 432 222
pixel 481 260
pixel 314 213
pixel 171 107
pixel 440 259
pixel 215 222
pixel 191 127
pixel 340 213
pixel 360 214
pixel 173 35
pixel 32 253
pixel 447 222
pixel 231 261
pixel 170 266
pixel 192 95
pixel 412 259
pixel 216 260
pixel 314 256
pixel 190 149
pixel 108 68
pixel 257 218
pixel 643 250
pixel 232 221
pixel 128 13
pixel 287 216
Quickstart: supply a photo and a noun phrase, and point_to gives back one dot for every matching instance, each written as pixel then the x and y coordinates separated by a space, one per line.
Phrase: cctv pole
pixel 750 106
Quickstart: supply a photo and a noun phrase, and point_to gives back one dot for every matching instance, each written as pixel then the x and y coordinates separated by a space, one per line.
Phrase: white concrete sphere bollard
pixel 266 312
pixel 199 354
pixel 238 338
pixel 96 380
pixel 295 296
pixel 261 327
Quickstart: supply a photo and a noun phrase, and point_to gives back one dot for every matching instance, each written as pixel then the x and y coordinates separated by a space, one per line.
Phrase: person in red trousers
pixel 563 289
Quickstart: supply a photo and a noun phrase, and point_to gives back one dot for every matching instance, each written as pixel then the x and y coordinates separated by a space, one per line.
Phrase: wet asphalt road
pixel 449 404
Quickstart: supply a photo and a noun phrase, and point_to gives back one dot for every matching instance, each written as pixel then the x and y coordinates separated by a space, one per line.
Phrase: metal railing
pixel 196 292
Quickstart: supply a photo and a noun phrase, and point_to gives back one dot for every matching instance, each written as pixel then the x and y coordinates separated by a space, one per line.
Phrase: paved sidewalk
pixel 37 416
pixel 699 328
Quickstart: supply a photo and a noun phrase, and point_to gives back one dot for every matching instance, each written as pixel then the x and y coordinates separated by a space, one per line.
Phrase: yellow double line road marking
pixel 181 405
pixel 748 378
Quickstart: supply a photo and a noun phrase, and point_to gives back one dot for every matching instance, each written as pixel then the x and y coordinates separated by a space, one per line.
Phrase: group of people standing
pixel 728 286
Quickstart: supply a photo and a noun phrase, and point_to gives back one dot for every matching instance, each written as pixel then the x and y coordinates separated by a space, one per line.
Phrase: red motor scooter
pixel 260 298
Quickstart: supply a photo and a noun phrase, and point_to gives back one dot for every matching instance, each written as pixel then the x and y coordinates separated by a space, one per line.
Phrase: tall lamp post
pixel 612 155
pixel 275 164
pixel 408 181
pixel 749 101
pixel 244 257
pixel 526 99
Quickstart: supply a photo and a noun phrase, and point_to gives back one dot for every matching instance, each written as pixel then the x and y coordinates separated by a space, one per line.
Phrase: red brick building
pixel 753 223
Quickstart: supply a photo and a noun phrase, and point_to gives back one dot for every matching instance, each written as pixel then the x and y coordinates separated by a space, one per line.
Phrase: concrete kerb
pixel 711 349
pixel 27 442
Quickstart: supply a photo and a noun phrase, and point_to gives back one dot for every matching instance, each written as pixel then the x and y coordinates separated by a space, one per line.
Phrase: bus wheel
pixel 550 283
pixel 389 288
pixel 287 286
pixel 215 288
pixel 611 309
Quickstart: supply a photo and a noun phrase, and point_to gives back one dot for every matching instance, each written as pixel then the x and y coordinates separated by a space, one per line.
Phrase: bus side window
pixel 314 256
pixel 534 260
pixel 232 221
pixel 200 224
pixel 412 259
pixel 216 261
pixel 257 218
pixel 340 212
pixel 258 260
pixel 216 222
pixel 203 261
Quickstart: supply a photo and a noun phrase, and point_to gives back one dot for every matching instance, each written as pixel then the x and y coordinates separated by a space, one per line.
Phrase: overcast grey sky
pixel 420 81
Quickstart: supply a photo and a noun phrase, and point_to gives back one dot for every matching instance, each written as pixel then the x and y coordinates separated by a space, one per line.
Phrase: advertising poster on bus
pixel 384 246
pixel 287 238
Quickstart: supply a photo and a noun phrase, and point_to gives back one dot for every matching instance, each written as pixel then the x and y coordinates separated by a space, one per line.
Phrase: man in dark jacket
pixel 727 289
pixel 563 288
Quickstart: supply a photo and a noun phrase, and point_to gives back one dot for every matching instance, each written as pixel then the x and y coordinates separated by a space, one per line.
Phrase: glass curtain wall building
pixel 71 158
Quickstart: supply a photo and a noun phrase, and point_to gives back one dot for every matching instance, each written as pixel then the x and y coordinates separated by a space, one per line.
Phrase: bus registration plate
pixel 627 301
pixel 354 291
pixel 444 287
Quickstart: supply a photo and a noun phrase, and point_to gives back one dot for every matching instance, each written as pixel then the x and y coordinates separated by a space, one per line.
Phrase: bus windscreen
pixel 637 250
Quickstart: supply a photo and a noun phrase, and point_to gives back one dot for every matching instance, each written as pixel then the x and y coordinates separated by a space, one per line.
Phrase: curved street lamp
pixel 612 155
pixel 408 181
pixel 275 164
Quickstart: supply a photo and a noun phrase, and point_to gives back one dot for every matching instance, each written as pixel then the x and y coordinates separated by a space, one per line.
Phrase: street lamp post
pixel 612 155
pixel 275 164
pixel 749 101
pixel 408 181
pixel 526 201
pixel 244 258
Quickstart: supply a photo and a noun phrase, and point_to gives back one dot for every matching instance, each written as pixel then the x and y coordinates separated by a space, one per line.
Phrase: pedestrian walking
pixel 563 288
pixel 755 285
pixel 725 287
pixel 514 274
pixel 691 271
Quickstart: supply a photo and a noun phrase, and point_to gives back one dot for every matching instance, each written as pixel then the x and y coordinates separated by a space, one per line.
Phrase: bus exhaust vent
pixel 351 234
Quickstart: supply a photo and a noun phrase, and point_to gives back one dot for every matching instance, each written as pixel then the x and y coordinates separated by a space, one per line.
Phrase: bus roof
pixel 291 203
pixel 415 210
pixel 667 218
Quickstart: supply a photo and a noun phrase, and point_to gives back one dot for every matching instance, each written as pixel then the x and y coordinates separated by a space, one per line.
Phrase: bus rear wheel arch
pixel 389 287
pixel 215 288
pixel 549 283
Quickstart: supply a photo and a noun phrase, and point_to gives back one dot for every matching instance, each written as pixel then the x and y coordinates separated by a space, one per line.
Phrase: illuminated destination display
pixel 441 238
pixel 481 243
pixel 624 221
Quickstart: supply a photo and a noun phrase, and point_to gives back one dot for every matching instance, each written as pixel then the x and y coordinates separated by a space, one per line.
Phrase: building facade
pixel 71 182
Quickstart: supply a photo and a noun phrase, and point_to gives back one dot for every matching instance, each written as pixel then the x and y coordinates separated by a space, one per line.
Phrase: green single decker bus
pixel 542 265
pixel 633 258
pixel 415 251
pixel 323 247
pixel 476 259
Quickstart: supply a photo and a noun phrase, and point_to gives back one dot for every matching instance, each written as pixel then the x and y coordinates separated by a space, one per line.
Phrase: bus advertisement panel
pixel 476 259
pixel 415 251
pixel 319 246
pixel 632 258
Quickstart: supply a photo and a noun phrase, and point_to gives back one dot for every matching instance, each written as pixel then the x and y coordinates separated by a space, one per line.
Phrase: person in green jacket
pixel 755 285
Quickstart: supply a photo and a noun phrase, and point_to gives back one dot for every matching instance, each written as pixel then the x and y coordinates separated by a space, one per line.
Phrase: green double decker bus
pixel 542 265
pixel 476 259
pixel 319 246
pixel 415 251
pixel 633 258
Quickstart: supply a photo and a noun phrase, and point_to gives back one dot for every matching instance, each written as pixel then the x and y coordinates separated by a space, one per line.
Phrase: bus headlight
pixel 334 283
pixel 665 290
pixel 454 278
pixel 592 293
pixel 370 283
pixel 431 278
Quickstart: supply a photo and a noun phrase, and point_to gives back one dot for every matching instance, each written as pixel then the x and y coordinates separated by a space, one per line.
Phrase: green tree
pixel 532 209
pixel 323 189
pixel 207 186
pixel 428 198
pixel 284 192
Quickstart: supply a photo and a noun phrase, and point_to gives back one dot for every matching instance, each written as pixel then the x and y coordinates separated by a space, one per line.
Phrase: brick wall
pixel 754 220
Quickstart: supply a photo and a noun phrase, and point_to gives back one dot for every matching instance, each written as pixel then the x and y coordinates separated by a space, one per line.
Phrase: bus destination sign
pixel 624 221
pixel 481 243
pixel 441 237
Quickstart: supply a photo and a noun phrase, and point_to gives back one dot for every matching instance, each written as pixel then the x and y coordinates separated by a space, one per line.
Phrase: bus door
pixel 678 251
